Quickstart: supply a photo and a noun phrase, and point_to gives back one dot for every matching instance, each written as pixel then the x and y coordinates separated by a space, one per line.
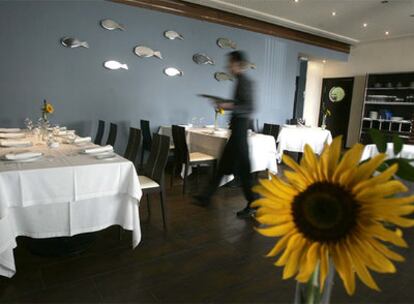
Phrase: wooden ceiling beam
pixel 213 15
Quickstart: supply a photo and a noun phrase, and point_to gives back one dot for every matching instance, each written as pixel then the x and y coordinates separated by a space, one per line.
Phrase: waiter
pixel 235 158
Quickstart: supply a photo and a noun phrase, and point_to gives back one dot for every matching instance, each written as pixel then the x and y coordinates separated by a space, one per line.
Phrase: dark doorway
pixel 300 88
pixel 337 98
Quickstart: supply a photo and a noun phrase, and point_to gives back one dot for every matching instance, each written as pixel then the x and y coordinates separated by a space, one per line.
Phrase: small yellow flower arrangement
pixel 47 109
pixel 333 210
pixel 219 111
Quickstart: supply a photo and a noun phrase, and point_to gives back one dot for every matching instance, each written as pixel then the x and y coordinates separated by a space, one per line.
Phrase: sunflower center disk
pixel 325 212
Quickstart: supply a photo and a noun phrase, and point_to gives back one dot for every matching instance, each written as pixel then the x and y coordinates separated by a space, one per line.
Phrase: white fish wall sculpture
pixel 111 25
pixel 172 35
pixel 172 72
pixel 70 42
pixel 226 43
pixel 144 51
pixel 221 76
pixel 202 59
pixel 115 65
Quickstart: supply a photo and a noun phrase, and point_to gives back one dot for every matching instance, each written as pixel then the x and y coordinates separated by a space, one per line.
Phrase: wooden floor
pixel 207 255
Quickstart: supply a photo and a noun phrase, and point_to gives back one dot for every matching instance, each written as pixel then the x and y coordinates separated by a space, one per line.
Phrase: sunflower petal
pixel 348 161
pixel 312 257
pixel 280 245
pixel 344 267
pixel 276 230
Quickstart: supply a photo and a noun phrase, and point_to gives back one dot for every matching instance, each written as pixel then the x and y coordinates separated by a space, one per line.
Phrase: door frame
pixel 320 104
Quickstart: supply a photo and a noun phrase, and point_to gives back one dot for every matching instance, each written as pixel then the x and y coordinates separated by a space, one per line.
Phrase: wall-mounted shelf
pixel 387 120
pixel 381 100
pixel 391 103
pixel 392 89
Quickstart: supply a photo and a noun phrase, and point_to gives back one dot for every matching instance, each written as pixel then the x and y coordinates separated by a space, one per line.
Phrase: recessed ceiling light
pixel 296 1
pixel 365 24
pixel 387 33
pixel 324 61
pixel 333 13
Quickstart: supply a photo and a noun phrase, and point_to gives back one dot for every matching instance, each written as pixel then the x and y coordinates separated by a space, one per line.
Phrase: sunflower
pixel 49 108
pixel 333 208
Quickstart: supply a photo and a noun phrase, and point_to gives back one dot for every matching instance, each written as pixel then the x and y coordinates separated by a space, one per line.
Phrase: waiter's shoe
pixel 246 213
pixel 201 200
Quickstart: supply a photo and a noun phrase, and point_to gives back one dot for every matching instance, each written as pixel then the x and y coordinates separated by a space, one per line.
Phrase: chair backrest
pixel 270 129
pixel 180 145
pixel 99 132
pixel 134 141
pixel 112 134
pixel 146 135
pixel 157 160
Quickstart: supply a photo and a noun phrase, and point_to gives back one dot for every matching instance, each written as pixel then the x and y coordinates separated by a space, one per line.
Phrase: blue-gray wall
pixel 34 66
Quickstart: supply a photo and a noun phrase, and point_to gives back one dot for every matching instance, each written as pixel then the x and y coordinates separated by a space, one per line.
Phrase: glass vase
pixel 311 293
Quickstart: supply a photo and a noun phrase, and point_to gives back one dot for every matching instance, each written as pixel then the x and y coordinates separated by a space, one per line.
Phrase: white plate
pixel 26 160
pixel 18 146
pixel 106 156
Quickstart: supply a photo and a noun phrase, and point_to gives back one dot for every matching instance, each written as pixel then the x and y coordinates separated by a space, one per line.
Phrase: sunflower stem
pixel 313 292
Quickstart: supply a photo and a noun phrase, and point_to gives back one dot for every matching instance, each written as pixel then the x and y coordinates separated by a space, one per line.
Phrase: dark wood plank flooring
pixel 207 255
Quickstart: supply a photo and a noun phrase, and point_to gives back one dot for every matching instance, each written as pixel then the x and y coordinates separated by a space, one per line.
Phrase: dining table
pixel 294 138
pixel 211 141
pixel 62 193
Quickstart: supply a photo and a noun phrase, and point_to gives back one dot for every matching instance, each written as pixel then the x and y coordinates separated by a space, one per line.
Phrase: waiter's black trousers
pixel 235 160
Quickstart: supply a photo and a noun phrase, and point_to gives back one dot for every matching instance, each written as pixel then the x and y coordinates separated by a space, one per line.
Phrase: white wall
pixel 313 91
pixel 392 55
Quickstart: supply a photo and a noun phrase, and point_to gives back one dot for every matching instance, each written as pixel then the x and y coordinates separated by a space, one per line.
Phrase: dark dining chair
pixel 152 180
pixel 99 132
pixel 183 157
pixel 113 129
pixel 146 139
pixel 271 129
pixel 134 142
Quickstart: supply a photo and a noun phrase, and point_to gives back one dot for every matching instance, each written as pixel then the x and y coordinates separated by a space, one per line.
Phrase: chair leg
pixel 162 196
pixel 172 176
pixel 185 177
pixel 197 174
pixel 141 165
pixel 148 205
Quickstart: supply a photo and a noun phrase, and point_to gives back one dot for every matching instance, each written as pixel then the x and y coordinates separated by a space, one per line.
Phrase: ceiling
pixel 316 16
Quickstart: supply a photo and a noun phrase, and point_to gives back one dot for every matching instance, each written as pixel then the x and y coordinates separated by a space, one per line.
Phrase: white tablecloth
pixel 406 152
pixel 63 194
pixel 294 139
pixel 262 148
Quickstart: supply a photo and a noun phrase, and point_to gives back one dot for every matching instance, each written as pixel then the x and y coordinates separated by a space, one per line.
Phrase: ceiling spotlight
pixel 296 1
pixel 333 13
pixel 387 33
pixel 324 61
pixel 365 24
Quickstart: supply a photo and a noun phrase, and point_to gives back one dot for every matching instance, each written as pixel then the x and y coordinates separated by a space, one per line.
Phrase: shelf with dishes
pixel 405 135
pixel 390 100
pixel 388 105
pixel 392 89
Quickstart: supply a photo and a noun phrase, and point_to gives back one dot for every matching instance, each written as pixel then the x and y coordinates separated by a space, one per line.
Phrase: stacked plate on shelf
pixel 373 114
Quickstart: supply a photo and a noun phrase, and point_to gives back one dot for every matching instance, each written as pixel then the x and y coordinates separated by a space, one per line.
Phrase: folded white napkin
pixel 14 143
pixel 12 135
pixel 9 130
pixel 22 155
pixel 107 148
pixel 80 140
